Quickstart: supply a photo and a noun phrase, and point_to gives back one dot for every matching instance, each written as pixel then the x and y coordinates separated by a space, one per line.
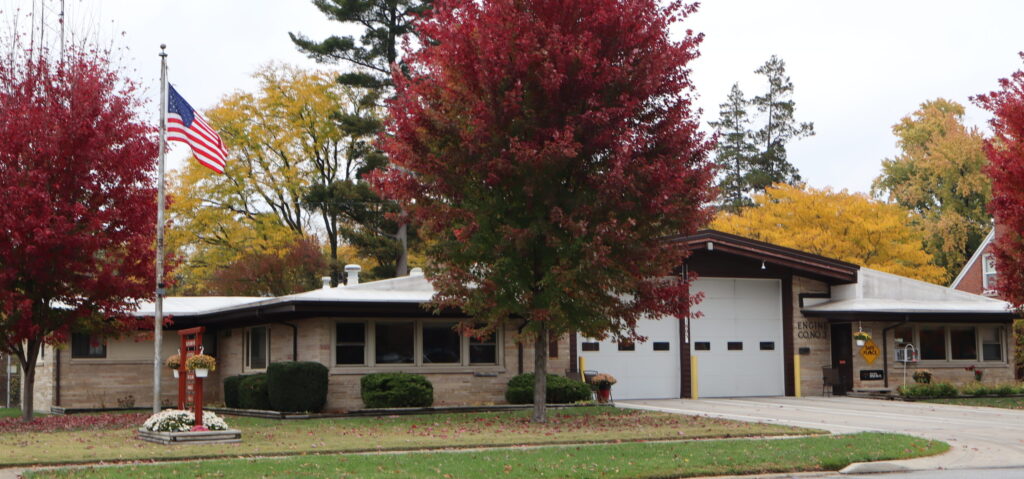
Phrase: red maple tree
pixel 77 204
pixel 548 145
pixel 1005 151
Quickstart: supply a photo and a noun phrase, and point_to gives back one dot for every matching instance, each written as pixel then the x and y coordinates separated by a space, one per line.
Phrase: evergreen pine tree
pixel 373 55
pixel 772 165
pixel 735 151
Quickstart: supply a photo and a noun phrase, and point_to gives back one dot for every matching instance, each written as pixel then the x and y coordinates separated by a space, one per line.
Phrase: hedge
pixel 560 390
pixel 231 385
pixel 252 393
pixel 383 390
pixel 297 386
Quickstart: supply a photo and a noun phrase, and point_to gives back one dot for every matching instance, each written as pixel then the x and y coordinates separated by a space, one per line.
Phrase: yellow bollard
pixel 796 375
pixel 583 363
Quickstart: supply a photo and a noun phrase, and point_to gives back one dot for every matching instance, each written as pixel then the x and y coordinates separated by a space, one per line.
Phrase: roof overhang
pixel 798 261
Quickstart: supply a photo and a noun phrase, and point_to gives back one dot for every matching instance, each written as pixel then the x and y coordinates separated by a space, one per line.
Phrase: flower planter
pixel 860 342
pixel 175 371
pixel 202 372
pixel 604 395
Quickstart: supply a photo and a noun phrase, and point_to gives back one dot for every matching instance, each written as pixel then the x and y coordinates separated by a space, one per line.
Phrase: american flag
pixel 186 125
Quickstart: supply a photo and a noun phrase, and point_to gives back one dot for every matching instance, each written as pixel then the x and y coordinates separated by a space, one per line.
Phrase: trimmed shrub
pixel 976 389
pixel 297 386
pixel 560 390
pixel 936 390
pixel 231 384
pixel 252 393
pixel 1004 389
pixel 396 390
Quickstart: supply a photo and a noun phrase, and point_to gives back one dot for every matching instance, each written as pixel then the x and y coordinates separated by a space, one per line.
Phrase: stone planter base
pixel 201 437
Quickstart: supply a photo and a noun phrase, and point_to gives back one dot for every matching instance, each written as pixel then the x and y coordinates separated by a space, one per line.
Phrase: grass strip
pixel 1000 402
pixel 609 461
pixel 272 437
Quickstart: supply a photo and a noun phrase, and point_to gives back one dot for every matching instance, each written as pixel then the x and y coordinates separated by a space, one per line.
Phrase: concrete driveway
pixel 980 437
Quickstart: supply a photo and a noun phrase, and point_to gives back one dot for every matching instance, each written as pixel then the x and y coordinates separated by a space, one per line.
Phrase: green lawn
pixel 272 437
pixel 1003 402
pixel 606 461
pixel 9 412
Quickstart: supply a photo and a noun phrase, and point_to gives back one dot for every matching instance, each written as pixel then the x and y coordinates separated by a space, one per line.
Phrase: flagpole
pixel 158 317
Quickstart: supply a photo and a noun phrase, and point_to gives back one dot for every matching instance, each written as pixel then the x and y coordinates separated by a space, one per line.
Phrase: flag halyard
pixel 186 125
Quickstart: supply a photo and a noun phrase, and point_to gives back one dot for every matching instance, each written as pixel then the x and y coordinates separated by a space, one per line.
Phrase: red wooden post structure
pixel 190 387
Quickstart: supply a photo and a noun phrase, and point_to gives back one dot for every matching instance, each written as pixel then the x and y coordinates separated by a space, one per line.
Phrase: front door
pixel 842 357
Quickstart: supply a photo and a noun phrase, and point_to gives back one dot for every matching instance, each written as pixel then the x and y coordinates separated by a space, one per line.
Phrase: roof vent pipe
pixel 352 270
pixel 416 272
pixel 327 282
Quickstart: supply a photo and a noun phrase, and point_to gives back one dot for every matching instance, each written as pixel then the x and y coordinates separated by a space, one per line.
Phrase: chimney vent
pixel 352 270
pixel 416 272
pixel 327 282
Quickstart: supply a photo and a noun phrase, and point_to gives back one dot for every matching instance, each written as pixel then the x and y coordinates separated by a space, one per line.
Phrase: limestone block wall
pixel 812 334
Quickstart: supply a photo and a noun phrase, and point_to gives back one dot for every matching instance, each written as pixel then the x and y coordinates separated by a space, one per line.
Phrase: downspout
pixel 295 340
pixel 885 347
pixel 519 346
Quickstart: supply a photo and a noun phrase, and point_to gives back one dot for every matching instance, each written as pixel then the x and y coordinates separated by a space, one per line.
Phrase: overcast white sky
pixel 857 67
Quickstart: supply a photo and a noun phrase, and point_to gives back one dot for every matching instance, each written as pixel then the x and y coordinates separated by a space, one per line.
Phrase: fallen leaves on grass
pixel 72 422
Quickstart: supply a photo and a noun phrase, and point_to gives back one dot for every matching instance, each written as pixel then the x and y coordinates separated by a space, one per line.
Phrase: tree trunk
pixel 28 380
pixel 402 268
pixel 540 374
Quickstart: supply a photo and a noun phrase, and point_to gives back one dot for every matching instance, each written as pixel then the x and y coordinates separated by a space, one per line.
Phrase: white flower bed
pixel 177 420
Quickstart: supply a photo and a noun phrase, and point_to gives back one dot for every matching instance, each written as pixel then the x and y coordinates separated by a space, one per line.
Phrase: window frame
pixel 978 338
pixel 370 348
pixel 988 271
pixel 247 347
pixel 89 338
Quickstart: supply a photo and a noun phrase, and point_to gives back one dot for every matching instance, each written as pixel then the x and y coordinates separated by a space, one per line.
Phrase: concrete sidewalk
pixel 979 437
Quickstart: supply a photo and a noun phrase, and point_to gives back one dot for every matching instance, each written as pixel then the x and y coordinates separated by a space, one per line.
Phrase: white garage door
pixel 738 341
pixel 650 371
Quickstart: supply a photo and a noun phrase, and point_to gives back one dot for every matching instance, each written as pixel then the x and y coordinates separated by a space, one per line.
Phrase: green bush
pixel 252 393
pixel 1004 389
pixel 396 390
pixel 560 390
pixel 936 390
pixel 297 386
pixel 231 384
pixel 975 389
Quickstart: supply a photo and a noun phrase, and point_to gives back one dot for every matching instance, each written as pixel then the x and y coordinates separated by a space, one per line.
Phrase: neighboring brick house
pixel 979 274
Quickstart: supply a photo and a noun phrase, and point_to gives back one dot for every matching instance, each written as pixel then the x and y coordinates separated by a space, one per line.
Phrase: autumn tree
pixel 548 175
pixel 1005 153
pixel 283 143
pixel 296 269
pixel 77 226
pixel 846 226
pixel 735 151
pixel 939 174
pixel 373 56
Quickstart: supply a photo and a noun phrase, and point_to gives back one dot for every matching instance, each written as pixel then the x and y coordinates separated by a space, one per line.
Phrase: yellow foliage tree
pixel 282 140
pixel 841 225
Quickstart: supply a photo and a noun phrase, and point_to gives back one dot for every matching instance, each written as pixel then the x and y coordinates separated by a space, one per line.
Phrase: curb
pixel 873 468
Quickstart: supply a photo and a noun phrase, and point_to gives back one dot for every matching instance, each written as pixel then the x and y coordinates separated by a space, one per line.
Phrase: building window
pixel 257 347
pixel 956 342
pixel 395 342
pixel 988 272
pixel 963 344
pixel 87 346
pixel 932 342
pixel 441 343
pixel 350 347
pixel 991 344
pixel 420 342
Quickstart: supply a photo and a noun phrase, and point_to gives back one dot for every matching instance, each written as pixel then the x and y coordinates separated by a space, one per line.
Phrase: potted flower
pixel 861 337
pixel 603 383
pixel 201 364
pixel 978 373
pixel 922 376
pixel 174 362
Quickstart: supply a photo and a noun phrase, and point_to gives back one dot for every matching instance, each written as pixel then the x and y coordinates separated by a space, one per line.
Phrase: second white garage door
pixel 737 342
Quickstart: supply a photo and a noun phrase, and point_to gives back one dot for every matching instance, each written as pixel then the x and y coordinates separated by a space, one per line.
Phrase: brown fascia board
pixel 837 270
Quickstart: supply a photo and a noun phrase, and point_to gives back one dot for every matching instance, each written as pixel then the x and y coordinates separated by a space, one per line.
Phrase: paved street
pixel 980 437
